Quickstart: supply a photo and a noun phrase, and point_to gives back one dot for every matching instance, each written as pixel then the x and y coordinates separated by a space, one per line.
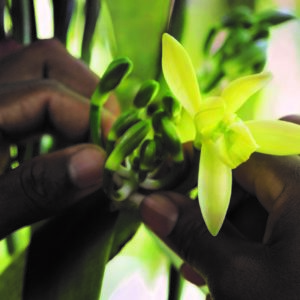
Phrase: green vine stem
pixel 21 17
pixel 112 77
pixel 175 283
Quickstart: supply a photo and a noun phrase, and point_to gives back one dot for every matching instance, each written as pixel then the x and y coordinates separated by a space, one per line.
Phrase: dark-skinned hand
pixel 45 89
pixel 256 253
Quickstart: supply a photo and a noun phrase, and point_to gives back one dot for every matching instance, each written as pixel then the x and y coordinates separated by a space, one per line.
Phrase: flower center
pixel 230 136
pixel 208 131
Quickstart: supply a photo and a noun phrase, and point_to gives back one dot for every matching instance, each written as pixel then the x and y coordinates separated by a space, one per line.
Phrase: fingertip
pixel 159 213
pixel 49 184
pixel 291 118
pixel 85 167
pixel 266 176
pixel 191 275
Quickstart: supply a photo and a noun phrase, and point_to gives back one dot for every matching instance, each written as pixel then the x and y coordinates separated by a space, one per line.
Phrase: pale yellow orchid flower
pixel 224 139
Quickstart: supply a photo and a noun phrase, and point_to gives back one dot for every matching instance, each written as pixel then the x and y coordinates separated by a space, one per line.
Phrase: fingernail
pixel 191 275
pixel 86 167
pixel 159 213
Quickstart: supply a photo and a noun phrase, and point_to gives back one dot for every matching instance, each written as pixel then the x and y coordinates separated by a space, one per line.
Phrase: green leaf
pixel 137 22
pixel 126 226
pixel 140 268
pixel 149 250
pixel 92 12
pixel 67 256
pixel 11 280
pixel 22 21
pixel 62 13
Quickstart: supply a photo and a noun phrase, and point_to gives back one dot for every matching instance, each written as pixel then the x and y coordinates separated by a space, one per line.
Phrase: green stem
pixel 107 241
pixel 175 284
pixel 95 124
pixel 17 241
pixel 212 82
pixel 177 18
pixel 92 12
pixel 62 13
pixel 11 244
pixel 21 21
pixel 249 3
pixel 97 102
pixel 33 29
pixel 2 29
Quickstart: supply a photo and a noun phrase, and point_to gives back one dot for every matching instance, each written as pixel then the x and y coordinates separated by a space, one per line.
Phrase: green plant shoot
pixel 111 78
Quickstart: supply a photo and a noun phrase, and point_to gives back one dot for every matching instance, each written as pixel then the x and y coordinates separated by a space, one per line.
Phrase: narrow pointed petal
pixel 214 188
pixel 239 91
pixel 275 137
pixel 179 74
pixel 185 127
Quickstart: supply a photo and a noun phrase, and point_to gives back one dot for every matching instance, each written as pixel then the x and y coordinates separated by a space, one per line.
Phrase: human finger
pixel 245 212
pixel 266 176
pixel 46 185
pixel 191 275
pixel 177 221
pixel 292 118
pixel 48 59
pixel 274 180
pixel 33 107
pixel 8 46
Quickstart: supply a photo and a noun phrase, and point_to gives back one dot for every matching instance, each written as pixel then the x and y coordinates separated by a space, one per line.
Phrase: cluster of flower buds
pixel 143 147
pixel 242 38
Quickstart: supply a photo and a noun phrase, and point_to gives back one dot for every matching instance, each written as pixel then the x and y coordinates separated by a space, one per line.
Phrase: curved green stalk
pixel 112 77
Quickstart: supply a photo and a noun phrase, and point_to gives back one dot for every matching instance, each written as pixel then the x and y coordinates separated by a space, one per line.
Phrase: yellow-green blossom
pixel 224 139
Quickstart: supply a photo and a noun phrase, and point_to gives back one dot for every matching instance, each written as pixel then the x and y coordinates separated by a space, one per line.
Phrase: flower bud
pixel 146 93
pixel 114 73
pixel 275 17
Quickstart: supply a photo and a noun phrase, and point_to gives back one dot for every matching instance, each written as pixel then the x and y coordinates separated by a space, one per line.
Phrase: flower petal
pixel 185 127
pixel 214 188
pixel 210 114
pixel 236 145
pixel 275 137
pixel 239 90
pixel 179 74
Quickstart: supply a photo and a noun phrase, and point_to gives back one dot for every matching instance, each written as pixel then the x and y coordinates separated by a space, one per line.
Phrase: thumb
pixel 219 260
pixel 48 184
